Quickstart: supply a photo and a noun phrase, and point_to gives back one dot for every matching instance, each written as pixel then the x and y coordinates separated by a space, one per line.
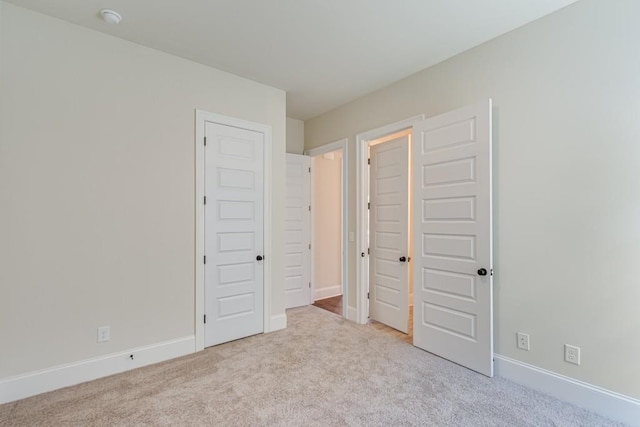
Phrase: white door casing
pixel 297 230
pixel 389 229
pixel 234 233
pixel 453 310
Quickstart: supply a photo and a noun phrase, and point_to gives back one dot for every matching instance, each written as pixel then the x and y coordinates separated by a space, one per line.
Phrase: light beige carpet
pixel 321 370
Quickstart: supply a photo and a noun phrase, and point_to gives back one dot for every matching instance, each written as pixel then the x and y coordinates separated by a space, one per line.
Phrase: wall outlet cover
pixel 572 354
pixel 523 341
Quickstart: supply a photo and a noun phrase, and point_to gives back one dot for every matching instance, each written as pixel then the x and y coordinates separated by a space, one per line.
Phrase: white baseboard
pixel 36 382
pixel 278 322
pixel 352 314
pixel 605 402
pixel 328 292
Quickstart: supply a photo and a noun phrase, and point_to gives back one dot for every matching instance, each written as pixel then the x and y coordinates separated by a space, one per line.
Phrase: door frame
pixel 201 117
pixel 362 223
pixel 340 144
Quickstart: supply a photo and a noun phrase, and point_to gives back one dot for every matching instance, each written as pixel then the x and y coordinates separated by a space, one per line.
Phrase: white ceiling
pixel 324 53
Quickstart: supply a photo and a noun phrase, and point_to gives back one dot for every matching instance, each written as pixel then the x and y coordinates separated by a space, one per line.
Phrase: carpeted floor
pixel 321 370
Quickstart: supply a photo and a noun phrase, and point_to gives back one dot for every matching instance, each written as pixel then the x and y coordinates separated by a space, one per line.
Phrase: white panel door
pixel 234 294
pixel 452 217
pixel 389 229
pixel 297 232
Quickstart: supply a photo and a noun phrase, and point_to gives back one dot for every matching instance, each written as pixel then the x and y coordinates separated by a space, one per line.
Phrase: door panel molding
pixel 297 230
pixel 234 233
pixel 201 117
pixel 453 299
pixel 389 233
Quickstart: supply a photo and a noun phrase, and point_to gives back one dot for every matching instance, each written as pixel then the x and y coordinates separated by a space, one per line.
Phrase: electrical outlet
pixel 104 333
pixel 572 354
pixel 523 341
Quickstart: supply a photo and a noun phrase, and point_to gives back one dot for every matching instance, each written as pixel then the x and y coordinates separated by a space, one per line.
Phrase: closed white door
pixel 453 266
pixel 234 294
pixel 297 232
pixel 388 234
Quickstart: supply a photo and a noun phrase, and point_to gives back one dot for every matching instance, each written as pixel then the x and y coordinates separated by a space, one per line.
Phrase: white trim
pixel 201 118
pixel 278 322
pixel 268 226
pixel 593 398
pixel 327 292
pixel 352 314
pixel 313 152
pixel 199 229
pixel 362 191
pixel 36 382
pixel 340 144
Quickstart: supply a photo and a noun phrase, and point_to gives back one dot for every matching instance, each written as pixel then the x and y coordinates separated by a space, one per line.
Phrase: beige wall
pixel 97 189
pixel 327 225
pixel 295 136
pixel 566 91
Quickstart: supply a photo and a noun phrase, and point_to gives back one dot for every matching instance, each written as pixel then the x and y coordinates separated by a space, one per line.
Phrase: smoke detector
pixel 110 16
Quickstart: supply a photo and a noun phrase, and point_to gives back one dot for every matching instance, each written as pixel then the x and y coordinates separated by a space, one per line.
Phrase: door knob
pixel 482 272
pixel 403 259
pixel 259 258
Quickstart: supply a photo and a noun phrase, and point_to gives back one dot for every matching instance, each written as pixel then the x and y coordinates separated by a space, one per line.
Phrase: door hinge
pixel 367 295
pixel 491 271
pixel 205 141
pixel 369 205
pixel 205 259
pixel 309 246
pixel 368 161
pixel 309 284
pixel 205 200
pixel 309 170
pixel 309 208
pixel 368 251
pixel 205 318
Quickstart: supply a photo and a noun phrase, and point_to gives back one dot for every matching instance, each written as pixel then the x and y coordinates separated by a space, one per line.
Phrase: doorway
pixel 452 268
pixel 328 225
pixel 364 142
pixel 232 229
pixel 326 208
pixel 390 250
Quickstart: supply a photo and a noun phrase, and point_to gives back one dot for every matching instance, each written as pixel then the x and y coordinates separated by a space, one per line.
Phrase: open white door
pixel 389 229
pixel 234 233
pixel 297 232
pixel 453 309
